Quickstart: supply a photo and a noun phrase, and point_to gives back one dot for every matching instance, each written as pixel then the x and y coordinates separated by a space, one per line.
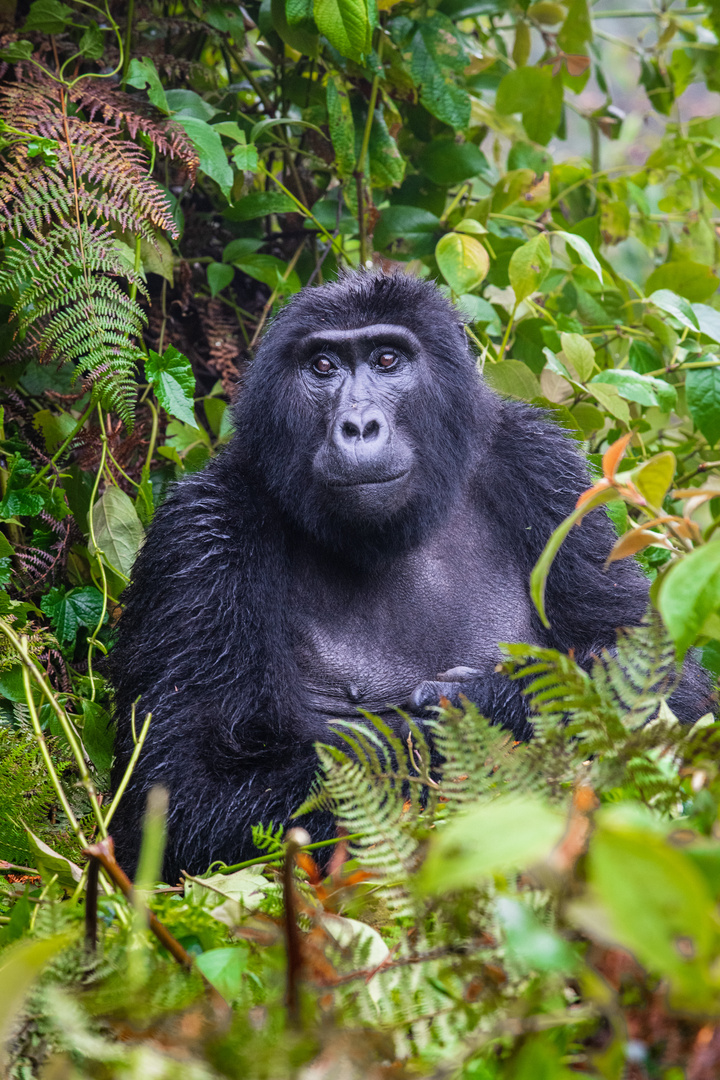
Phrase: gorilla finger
pixel 428 693
pixel 458 674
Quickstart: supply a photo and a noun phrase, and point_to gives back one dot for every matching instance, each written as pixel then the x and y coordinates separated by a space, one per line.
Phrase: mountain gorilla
pixel 365 540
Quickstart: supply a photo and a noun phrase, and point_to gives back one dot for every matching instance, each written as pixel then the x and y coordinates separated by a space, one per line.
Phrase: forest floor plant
pixel 170 174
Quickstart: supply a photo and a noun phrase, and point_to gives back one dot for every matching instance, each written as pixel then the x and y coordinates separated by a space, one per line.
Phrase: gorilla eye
pixel 323 366
pixel 387 359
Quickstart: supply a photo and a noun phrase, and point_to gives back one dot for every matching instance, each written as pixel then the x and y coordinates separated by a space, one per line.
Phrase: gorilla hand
pixel 496 697
pixel 449 684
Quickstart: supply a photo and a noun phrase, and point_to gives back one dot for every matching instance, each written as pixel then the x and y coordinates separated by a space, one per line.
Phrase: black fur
pixel 266 601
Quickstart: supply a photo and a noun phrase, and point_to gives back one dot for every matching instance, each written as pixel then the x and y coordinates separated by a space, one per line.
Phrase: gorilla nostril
pixel 371 430
pixel 350 430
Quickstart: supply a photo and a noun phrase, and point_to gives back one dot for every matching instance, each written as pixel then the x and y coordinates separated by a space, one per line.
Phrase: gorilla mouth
pixel 370 483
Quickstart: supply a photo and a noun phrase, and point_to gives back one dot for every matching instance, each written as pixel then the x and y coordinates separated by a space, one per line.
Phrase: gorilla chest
pixel 366 639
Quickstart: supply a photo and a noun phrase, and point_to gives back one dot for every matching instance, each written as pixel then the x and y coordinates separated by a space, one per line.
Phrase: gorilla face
pixel 359 413
pixel 358 381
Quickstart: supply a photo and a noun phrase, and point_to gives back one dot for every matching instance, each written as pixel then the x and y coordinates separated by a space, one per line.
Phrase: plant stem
pixel 63 447
pixel 360 167
pixel 129 770
pixel 127 51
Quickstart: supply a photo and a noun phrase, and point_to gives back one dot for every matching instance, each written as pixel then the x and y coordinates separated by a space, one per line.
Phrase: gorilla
pixel 364 541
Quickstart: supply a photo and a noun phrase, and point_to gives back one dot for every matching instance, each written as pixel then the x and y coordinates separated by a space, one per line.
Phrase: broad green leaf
pixel 298 11
pixel 219 276
pixel 506 834
pixel 54 427
pixel 644 389
pixel 709 320
pixel 48 17
pixel 577 30
pixel 535 93
pixel 676 306
pixel 529 266
pixel 259 204
pixel 92 43
pixel 173 382
pixel 609 398
pixel 21 501
pixel 51 863
pixel 588 417
pixel 342 127
pixel 224 968
pixel 143 73
pixel 702 389
pixel 583 250
pixel 300 35
pixel 226 18
pixel 387 165
pixel 238 249
pixel 157 257
pixel 694 281
pixel 471 226
pixel 540 1058
pixel 538 578
pixel 654 477
pixel 117 528
pixel 346 25
pixel 98 735
pixel 416 228
pixel 19 968
pixel 188 103
pixel 512 378
pixel 269 270
pixel 463 261
pixel 673 931
pixel 436 55
pixel 690 594
pixel 447 163
pixel 537 947
pixel 547 12
pixel 210 151
pixel 69 611
pixel 580 353
pixel 245 158
pixel 16 50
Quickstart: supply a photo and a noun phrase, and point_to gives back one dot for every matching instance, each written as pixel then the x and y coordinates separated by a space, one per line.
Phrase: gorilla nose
pixel 361 432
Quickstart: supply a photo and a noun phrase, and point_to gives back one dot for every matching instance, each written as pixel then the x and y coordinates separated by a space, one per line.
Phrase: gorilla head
pixel 357 413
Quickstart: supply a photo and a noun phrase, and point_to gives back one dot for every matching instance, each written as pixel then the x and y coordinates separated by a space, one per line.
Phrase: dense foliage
pixel 171 173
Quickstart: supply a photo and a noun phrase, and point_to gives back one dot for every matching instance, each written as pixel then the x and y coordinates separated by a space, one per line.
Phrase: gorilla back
pixel 365 540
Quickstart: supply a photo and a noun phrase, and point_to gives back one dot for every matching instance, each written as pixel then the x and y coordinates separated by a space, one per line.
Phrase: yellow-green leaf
pixel 529 266
pixel 654 477
pixel 580 353
pixel 463 261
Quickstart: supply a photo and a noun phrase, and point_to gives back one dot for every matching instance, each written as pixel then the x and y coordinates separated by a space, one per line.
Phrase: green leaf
pixel 269 270
pixel 538 578
pixel 69 611
pixel 238 249
pixel 50 863
pixel 644 389
pixel 16 50
pixel 226 18
pixel 416 228
pixel 583 250
pixel 536 947
pixel 436 56
pixel 463 261
pixel 512 378
pixel 654 477
pixel 702 389
pixel 676 306
pixel 298 11
pixel 690 594
pixel 448 163
pixel 210 151
pixel 260 203
pixel 300 35
pixel 387 165
pixel 673 931
pixel 117 528
pixel 48 17
pixel 92 43
pixel 98 735
pixel 219 276
pixel 535 93
pixel 529 265
pixel 143 73
pixel 54 427
pixel 21 501
pixel 188 103
pixel 346 25
pixel 580 354
pixel 695 281
pixel 342 127
pixel 173 382
pixel 709 321
pixel 506 834
pixel 224 968
pixel 19 968
pixel 245 158
pixel 609 398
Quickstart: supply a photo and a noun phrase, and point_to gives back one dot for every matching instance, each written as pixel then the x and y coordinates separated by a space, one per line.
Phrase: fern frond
pixel 472 751
pixel 64 264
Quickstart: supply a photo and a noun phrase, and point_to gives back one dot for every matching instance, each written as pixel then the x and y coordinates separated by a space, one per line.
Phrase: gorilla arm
pixel 530 481
pixel 201 643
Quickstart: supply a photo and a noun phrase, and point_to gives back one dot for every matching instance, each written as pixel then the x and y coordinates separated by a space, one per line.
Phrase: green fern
pixel 59 202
